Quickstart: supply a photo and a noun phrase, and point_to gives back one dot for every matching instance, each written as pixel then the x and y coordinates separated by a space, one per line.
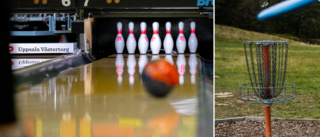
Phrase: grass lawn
pixel 230 68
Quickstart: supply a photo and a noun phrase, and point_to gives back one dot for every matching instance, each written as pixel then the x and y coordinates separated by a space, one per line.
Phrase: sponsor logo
pixel 29 48
pixel 11 48
pixel 205 2
pixel 20 63
pixel 28 62
pixel 182 38
pixel 42 49
pixel 118 38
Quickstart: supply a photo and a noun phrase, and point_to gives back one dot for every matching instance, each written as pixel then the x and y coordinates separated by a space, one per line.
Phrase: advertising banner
pixel 42 48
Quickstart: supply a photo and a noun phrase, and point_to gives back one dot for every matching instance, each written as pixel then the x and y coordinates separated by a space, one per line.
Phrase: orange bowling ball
pixel 159 77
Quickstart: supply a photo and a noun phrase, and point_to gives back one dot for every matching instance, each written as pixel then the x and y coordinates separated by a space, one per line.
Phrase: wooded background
pixel 301 25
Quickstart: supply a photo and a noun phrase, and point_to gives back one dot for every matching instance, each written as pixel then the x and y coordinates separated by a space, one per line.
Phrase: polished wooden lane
pixel 106 98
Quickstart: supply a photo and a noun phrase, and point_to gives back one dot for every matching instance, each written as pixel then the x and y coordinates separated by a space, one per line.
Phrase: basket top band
pixel 266 42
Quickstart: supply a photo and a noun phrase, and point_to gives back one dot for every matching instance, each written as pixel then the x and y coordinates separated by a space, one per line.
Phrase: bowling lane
pixel 106 98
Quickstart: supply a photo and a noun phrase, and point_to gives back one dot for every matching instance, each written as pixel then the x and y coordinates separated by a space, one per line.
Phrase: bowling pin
pixel 193 40
pixel 155 43
pixel 63 38
pixel 131 64
pixel 131 41
pixel 181 63
pixel 193 62
pixel 168 41
pixel 143 42
pixel 119 65
pixel 119 42
pixel 143 60
pixel 181 40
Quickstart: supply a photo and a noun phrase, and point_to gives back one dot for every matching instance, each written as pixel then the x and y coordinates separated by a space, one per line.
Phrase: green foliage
pixel 288 36
pixel 303 23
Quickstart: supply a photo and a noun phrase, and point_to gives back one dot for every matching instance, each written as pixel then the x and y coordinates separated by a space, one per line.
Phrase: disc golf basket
pixel 266 64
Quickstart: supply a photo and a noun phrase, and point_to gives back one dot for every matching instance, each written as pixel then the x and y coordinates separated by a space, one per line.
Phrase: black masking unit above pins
pixel 106 14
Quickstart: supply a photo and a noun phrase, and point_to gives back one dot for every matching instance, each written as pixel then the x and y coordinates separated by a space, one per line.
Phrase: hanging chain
pixel 285 64
pixel 259 64
pixel 278 53
pixel 248 68
pixel 274 68
pixel 252 65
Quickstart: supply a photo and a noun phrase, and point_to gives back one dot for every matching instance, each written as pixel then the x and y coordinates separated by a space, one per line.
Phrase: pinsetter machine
pixel 91 25
pixel 39 29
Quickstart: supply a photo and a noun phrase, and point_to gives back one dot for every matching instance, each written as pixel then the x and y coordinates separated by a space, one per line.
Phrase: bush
pixel 288 36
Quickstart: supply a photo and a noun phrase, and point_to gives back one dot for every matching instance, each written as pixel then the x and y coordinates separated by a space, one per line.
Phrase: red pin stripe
pixel 168 31
pixel 180 31
pixel 130 31
pixel 193 31
pixel 119 31
pixel 155 32
pixel 143 31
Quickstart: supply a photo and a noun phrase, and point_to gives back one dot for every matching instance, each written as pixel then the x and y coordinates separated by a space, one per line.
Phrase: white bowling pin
pixel 155 43
pixel 63 38
pixel 168 41
pixel 143 42
pixel 193 40
pixel 131 41
pixel 119 65
pixel 181 40
pixel 181 64
pixel 193 62
pixel 131 64
pixel 119 42
pixel 143 60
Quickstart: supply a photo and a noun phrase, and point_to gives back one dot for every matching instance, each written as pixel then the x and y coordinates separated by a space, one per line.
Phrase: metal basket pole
pixel 266 72
pixel 268 120
pixel 267 89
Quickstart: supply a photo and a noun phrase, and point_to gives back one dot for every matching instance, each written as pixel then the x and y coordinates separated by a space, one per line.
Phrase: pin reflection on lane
pixel 119 66
pixel 131 65
pixel 181 63
pixel 155 57
pixel 169 59
pixel 193 63
pixel 143 61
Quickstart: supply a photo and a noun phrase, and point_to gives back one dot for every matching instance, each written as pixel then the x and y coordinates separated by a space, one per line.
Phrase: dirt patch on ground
pixel 256 128
pixel 223 94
